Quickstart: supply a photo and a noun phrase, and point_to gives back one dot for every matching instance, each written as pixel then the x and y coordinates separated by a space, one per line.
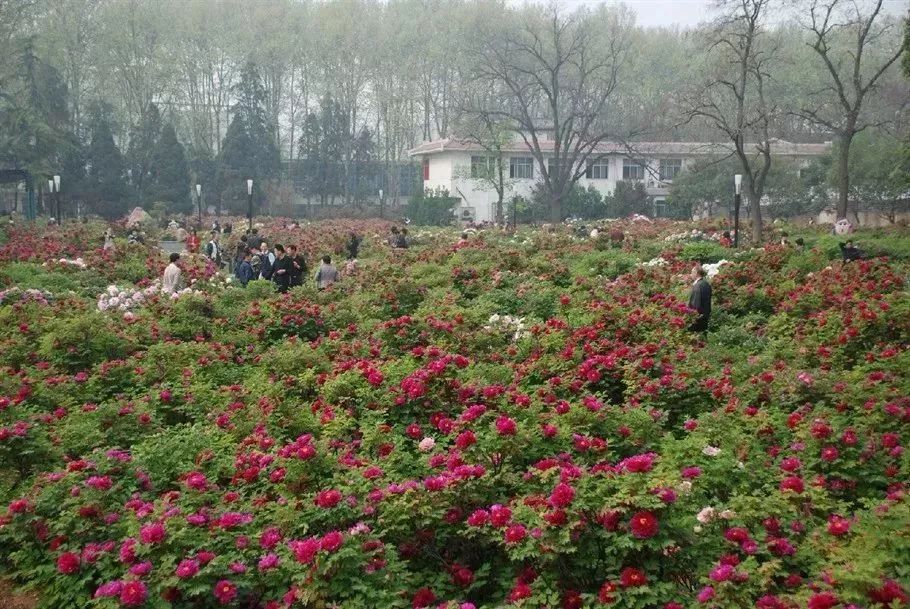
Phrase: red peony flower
pixel 152 533
pixel 225 591
pixel 632 577
pixel 331 541
pixel 519 592
pixel 792 483
pixel 188 567
pixel 329 498
pixel 823 600
pixel 424 597
pixel 506 426
pixel 133 593
pixel 838 525
pixel 606 593
pixel 515 533
pixel 562 495
pixel 643 525
pixel 68 563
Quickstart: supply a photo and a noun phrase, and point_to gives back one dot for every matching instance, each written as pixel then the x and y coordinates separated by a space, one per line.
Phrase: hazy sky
pixel 688 12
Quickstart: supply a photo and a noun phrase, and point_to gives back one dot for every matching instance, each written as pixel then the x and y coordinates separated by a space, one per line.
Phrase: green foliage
pixel 249 149
pixel 171 177
pixel 432 208
pixel 704 252
pixel 105 183
pixel 79 342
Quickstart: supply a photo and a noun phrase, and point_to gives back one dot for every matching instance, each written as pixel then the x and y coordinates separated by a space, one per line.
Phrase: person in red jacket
pixel 192 242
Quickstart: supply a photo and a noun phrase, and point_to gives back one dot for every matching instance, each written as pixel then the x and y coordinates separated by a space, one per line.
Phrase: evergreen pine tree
pixel 170 172
pixel 248 149
pixel 140 156
pixel 106 189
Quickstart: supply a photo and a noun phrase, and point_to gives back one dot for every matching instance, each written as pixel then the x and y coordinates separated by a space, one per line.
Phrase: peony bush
pixel 521 421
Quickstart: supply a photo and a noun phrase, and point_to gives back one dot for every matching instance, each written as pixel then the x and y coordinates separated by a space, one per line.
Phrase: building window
pixel 661 208
pixel 598 170
pixel 483 166
pixel 669 168
pixel 426 169
pixel 521 168
pixel 632 170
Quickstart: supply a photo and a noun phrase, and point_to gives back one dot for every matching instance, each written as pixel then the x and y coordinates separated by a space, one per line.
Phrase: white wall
pixel 451 170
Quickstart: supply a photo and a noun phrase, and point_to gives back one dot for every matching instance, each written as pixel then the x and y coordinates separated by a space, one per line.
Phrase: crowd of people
pixel 254 259
pixel 286 267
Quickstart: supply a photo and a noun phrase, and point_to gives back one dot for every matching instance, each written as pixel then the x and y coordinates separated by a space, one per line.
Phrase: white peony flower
pixel 706 515
pixel 710 451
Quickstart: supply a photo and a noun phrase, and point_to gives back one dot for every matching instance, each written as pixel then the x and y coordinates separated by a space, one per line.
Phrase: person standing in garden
pixel 192 242
pixel 282 269
pixel 213 250
pixel 298 266
pixel 244 271
pixel 266 261
pixel 353 245
pixel 170 282
pixel 327 273
pixel 700 298
pixel 242 248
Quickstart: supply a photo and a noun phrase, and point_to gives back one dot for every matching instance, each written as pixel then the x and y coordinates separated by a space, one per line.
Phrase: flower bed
pixel 520 422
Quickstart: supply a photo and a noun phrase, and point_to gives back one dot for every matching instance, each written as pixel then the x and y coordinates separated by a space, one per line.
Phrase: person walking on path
pixel 170 282
pixel 700 298
pixel 327 273
pixel 282 269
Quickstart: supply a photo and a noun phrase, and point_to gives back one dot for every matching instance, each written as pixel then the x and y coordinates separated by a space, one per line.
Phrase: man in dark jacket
pixel 353 245
pixel 700 299
pixel 298 266
pixel 281 271
pixel 244 271
pixel 850 252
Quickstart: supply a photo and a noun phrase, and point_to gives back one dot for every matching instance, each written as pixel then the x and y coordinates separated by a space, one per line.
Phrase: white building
pixel 450 163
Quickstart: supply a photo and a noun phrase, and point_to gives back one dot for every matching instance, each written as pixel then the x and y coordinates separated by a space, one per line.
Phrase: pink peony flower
pixel 506 426
pixel 188 567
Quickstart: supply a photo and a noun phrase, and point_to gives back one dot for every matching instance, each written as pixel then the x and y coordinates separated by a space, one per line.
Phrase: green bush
pixel 705 252
pixel 79 342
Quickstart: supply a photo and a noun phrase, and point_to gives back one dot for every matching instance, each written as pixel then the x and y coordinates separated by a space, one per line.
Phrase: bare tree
pixel 478 125
pixel 559 74
pixel 734 100
pixel 843 38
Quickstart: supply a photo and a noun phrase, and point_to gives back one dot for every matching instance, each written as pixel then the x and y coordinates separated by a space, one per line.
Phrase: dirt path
pixel 12 600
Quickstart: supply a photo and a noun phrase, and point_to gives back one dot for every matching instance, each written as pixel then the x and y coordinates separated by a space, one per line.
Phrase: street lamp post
pixel 53 187
pixel 737 200
pixel 249 203
pixel 199 201
pixel 50 200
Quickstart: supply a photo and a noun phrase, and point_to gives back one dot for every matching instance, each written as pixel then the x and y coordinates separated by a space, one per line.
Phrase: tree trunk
pixel 556 208
pixel 843 175
pixel 500 191
pixel 755 212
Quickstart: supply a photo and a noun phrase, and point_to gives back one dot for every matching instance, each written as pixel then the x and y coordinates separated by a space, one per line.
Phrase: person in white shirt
pixel 170 283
